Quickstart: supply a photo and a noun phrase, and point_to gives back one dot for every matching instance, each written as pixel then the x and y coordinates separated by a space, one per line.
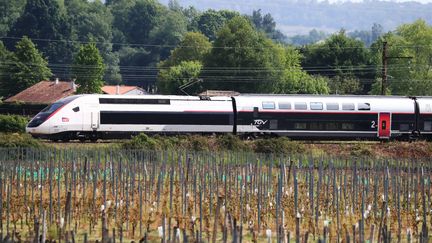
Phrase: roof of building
pixel 112 89
pixel 44 92
pixel 219 93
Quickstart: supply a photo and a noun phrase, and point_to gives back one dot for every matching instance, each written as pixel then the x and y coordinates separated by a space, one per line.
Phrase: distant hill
pixel 299 16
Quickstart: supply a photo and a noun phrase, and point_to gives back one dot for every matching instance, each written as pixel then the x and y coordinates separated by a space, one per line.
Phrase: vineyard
pixel 66 195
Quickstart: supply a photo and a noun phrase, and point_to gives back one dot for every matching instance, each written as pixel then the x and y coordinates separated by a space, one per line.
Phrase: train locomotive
pixel 92 117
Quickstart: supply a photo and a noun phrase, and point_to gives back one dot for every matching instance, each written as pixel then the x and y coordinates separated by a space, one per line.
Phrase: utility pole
pixel 384 70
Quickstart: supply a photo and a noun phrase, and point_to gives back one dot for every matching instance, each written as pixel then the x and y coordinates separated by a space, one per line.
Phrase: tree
pixel 134 23
pixel 137 66
pixel 46 21
pixel 410 75
pixel 88 69
pixel 168 33
pixel 191 15
pixel 297 81
pixel 9 13
pixel 311 38
pixel 135 19
pixel 266 24
pixel 28 67
pixel 211 21
pixel 5 64
pixel 170 80
pixel 92 21
pixel 244 60
pixel 339 56
pixel 193 47
pixel 344 85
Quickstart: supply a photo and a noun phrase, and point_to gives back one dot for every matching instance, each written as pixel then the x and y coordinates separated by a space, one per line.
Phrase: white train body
pixel 298 116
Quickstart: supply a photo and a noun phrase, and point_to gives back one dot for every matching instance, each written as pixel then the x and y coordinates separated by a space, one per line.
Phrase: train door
pixel 384 125
pixel 94 120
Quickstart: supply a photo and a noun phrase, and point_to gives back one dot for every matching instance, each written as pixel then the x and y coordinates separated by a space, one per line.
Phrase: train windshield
pixel 44 114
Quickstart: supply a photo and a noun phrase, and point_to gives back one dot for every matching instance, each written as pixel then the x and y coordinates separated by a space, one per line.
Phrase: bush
pixel 14 140
pixel 141 141
pixel 197 143
pixel 231 142
pixel 361 150
pixel 12 123
pixel 279 146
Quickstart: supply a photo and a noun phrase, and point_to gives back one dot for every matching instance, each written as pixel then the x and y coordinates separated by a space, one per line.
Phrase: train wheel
pixel 93 137
pixel 82 139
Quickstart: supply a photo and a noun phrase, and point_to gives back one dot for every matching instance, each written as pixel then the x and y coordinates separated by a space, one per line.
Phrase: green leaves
pixel 88 69
pixel 170 80
pixel 194 47
pixel 27 67
pixel 409 65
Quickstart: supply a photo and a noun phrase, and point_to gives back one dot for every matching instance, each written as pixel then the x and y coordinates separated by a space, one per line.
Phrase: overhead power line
pixel 212 47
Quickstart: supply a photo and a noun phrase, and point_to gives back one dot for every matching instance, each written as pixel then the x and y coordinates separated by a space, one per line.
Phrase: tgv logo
pixel 260 122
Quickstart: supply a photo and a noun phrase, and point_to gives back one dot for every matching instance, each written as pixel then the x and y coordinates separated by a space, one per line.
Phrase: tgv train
pixel 92 117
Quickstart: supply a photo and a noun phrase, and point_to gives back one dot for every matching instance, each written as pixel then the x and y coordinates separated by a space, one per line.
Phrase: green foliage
pixel 6 57
pixel 339 56
pixel 197 143
pixel 377 88
pixel 28 67
pixel 368 37
pixel 13 123
pixel 267 25
pixel 410 75
pixel 141 141
pixel 92 21
pixel 193 47
pixel 10 11
pixel 344 85
pixel 280 145
pixel 168 32
pixel 169 80
pixel 250 62
pixel 135 19
pixel 361 150
pixel 211 21
pixel 232 143
pixel 47 20
pixel 88 69
pixel 18 140
pixel 311 38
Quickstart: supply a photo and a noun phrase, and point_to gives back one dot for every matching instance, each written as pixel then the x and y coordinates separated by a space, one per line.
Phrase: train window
pixel 300 126
pixel 347 126
pixel 300 106
pixel 363 106
pixel 268 105
pixel 273 124
pixel 428 125
pixel 285 105
pixel 331 126
pixel 316 126
pixel 316 106
pixel 134 101
pixel 404 127
pixel 76 109
pixel 332 106
pixel 348 106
